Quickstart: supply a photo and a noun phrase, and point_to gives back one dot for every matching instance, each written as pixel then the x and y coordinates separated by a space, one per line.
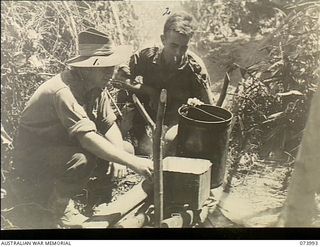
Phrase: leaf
pixel 35 62
pixel 292 92
pixel 276 64
pixel 19 59
pixel 32 34
pixel 5 138
pixel 275 115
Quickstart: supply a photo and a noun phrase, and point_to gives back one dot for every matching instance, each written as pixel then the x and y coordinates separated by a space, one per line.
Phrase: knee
pixel 171 134
pixel 170 141
pixel 82 164
pixel 81 158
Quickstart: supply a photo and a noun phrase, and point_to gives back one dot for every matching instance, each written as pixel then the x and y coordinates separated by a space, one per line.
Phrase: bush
pixel 275 94
pixel 37 39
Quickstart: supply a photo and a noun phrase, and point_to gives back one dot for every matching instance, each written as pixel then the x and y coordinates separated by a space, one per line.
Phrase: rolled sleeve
pixel 72 115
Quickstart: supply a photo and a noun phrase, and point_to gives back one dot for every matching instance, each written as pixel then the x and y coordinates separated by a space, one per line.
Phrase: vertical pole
pixel 157 160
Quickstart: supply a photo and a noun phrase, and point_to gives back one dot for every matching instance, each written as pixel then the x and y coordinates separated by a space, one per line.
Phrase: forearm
pixel 206 96
pixel 114 136
pixel 104 149
pixel 210 96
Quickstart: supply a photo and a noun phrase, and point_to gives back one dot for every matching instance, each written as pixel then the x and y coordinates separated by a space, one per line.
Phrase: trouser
pixel 65 168
pixel 39 170
pixel 64 171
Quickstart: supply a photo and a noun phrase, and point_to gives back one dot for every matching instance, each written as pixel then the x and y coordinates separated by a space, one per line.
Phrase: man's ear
pixel 163 39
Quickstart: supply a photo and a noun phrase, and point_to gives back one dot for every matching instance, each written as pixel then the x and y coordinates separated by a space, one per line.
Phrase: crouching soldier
pixel 67 125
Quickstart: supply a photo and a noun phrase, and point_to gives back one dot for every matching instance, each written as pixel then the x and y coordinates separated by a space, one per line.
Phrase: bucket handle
pixel 205 112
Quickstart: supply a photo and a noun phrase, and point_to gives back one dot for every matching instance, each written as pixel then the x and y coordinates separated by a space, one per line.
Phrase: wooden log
pixel 178 220
pixel 114 104
pixel 115 11
pixel 203 214
pixel 175 221
pixel 224 89
pixel 135 219
pixel 107 215
pixel 157 160
pixel 143 112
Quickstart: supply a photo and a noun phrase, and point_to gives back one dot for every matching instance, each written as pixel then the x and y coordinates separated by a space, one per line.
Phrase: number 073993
pixel 309 243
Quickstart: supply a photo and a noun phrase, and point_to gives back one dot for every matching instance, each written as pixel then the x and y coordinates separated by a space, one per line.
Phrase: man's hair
pixel 180 22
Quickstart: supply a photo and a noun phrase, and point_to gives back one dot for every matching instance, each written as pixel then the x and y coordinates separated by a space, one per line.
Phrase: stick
pixel 157 160
pixel 137 218
pixel 115 12
pixel 143 112
pixel 224 89
pixel 114 103
pixel 132 220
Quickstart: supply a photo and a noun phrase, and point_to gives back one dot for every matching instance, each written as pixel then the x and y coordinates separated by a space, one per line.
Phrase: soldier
pixel 68 125
pixel 173 67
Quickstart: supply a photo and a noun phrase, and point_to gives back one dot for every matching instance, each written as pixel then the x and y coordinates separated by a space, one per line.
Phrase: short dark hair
pixel 180 22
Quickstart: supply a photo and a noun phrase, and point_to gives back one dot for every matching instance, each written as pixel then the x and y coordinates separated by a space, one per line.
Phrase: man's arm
pixel 114 136
pixel 138 88
pixel 77 123
pixel 104 149
pixel 206 95
pixel 127 74
pixel 201 88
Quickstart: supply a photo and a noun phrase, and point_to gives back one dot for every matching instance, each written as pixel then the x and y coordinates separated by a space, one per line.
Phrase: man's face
pixel 175 46
pixel 101 76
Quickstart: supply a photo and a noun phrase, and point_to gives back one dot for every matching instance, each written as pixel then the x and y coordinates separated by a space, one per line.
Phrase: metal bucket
pixel 203 132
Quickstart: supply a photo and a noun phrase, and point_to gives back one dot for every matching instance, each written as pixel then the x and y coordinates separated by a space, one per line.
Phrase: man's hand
pixel 117 170
pixel 194 102
pixel 144 167
pixel 121 84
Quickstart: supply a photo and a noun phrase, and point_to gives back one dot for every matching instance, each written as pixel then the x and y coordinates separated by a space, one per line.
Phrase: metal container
pixel 186 181
pixel 203 132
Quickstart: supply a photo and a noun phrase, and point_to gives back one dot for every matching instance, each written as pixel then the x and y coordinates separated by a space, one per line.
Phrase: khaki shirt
pixel 60 109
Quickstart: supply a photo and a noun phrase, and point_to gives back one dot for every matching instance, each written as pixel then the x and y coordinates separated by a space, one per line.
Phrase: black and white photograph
pixel 160 114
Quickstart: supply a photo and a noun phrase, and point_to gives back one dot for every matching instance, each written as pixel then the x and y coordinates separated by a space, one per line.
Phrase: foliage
pixel 222 20
pixel 37 39
pixel 271 102
pixel 274 97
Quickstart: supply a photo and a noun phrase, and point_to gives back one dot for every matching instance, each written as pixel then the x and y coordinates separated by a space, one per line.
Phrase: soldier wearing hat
pixel 66 126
